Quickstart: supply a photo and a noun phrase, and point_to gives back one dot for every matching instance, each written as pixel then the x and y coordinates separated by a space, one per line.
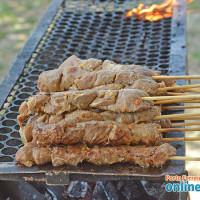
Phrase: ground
pixel 18 19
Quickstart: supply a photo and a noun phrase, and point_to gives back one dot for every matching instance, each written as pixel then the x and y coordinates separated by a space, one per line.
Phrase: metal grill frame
pixel 64 174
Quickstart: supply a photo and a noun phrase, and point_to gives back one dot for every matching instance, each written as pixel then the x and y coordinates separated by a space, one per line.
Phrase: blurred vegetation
pixel 18 18
pixel 193 36
pixel 193 47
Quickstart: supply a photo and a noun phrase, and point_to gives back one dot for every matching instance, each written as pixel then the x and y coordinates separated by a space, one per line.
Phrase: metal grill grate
pixel 87 29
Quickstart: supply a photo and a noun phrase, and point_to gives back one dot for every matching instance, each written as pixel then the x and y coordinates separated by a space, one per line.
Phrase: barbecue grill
pixel 88 29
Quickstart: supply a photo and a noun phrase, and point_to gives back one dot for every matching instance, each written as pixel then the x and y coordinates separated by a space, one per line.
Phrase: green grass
pixel 31 20
pixel 18 18
pixel 195 55
pixel 2 34
pixel 5 10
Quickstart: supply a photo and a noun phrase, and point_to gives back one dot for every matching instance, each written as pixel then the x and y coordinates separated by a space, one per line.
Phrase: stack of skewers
pixel 103 113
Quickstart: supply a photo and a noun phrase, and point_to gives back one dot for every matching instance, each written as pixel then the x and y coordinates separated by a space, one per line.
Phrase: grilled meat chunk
pixel 90 64
pixel 97 115
pixel 50 80
pixel 109 87
pixel 77 77
pixel 137 69
pixel 142 72
pixel 126 100
pixel 148 85
pixel 31 154
pixel 72 155
pixel 65 79
pixel 25 155
pixel 26 131
pixel 144 156
pixel 141 155
pixel 71 119
pixel 164 123
pixel 97 132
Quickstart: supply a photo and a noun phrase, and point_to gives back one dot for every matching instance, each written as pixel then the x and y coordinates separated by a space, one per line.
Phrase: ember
pixel 154 12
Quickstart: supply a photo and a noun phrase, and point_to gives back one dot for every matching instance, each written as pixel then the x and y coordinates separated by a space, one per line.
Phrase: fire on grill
pixel 85 103
pixel 154 12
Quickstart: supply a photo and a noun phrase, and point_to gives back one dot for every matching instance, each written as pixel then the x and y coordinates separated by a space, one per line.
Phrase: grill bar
pixel 89 29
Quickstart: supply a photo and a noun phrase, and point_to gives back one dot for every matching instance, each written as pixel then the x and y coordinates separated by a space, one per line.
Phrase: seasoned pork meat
pixel 168 82
pixel 78 74
pixel 109 87
pixel 126 100
pixel 157 156
pixel 78 116
pixel 30 155
pixel 137 69
pixel 164 123
pixel 97 115
pixel 78 78
pixel 90 64
pixel 142 72
pixel 26 131
pixel 97 132
pixel 75 78
pixel 148 85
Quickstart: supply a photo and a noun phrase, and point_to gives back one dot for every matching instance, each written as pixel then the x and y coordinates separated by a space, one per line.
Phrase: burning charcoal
pixel 80 190
pixel 108 189
pixel 99 192
pixel 130 190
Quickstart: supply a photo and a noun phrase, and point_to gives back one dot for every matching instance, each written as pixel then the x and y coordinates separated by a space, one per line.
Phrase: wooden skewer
pixel 179 107
pixel 193 101
pixel 176 77
pixel 184 158
pixel 176 116
pixel 186 97
pixel 192 90
pixel 177 94
pixel 186 118
pixel 163 130
pixel 185 124
pixel 176 101
pixel 178 87
pixel 180 139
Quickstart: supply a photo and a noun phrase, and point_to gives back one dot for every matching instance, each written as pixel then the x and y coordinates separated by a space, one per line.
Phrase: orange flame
pixel 154 12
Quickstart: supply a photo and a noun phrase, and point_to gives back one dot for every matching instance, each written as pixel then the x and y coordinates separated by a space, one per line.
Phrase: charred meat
pixel 97 133
pixel 30 155
pixel 126 100
pixel 77 74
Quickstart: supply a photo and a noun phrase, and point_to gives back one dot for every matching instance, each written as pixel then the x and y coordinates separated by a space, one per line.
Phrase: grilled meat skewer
pixel 98 115
pixel 31 154
pixel 74 119
pixel 97 133
pixel 75 78
pixel 126 100
pixel 76 74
